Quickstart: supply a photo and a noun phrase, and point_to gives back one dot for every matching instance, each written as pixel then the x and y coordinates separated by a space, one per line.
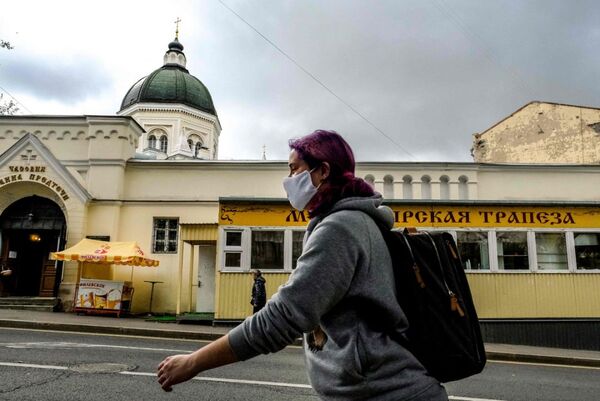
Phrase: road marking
pixel 214 379
pixel 63 345
pixel 454 397
pixel 85 333
pixel 29 365
pixel 207 379
pixel 225 380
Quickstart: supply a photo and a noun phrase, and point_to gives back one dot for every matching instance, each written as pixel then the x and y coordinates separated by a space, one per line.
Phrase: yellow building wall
pixel 235 291
pixel 535 295
pixel 496 294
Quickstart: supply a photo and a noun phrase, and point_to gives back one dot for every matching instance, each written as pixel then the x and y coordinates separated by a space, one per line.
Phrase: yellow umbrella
pixel 93 251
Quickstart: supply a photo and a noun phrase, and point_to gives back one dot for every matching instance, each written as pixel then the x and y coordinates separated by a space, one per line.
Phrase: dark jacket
pixel 259 293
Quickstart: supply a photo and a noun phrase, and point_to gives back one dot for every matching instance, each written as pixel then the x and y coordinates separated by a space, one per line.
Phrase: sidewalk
pixel 138 326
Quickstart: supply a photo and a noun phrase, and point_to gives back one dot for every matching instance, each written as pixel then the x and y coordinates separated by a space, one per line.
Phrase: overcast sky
pixel 426 73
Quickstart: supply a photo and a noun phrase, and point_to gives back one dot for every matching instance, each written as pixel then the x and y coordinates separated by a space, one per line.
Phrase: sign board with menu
pixel 104 296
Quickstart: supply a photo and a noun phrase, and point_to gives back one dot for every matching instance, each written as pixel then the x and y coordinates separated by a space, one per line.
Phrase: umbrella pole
pixel 131 278
pixel 79 267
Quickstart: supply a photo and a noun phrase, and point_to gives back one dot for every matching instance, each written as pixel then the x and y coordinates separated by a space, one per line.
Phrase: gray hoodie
pixel 343 278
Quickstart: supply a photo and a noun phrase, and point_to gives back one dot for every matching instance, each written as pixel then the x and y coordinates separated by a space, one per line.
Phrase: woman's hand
pixel 174 370
pixel 179 368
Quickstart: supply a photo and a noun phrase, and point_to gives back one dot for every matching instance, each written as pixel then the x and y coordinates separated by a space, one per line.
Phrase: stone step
pixel 45 304
pixel 39 308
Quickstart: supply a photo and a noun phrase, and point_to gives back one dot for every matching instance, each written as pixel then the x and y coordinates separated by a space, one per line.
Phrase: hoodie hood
pixel 370 205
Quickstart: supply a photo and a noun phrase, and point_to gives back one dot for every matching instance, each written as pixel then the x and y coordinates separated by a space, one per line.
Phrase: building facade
pixel 528 233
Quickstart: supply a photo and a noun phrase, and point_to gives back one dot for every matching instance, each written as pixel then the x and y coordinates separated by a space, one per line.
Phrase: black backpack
pixel 434 294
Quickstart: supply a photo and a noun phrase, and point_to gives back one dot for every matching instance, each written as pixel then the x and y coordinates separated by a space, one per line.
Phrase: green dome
pixel 171 83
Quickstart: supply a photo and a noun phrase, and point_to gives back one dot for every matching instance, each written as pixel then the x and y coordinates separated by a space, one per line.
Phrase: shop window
pixel 587 250
pixel 473 249
pixel 297 242
pixel 165 235
pixel 551 251
pixel 233 238
pixel 233 249
pixel 267 249
pixel 233 259
pixel 512 250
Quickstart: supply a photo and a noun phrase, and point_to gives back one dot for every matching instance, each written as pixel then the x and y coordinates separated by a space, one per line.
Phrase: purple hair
pixel 328 146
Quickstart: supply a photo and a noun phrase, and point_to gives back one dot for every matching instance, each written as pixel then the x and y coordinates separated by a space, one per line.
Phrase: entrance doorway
pixel 31 228
pixel 205 298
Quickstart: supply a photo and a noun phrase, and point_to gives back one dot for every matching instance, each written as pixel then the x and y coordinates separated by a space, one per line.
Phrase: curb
pixel 546 359
pixel 127 331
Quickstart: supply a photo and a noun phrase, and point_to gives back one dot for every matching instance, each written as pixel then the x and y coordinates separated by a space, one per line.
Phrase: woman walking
pixel 343 277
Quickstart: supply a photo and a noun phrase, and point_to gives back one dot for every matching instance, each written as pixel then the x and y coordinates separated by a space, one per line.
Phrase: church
pixel 525 215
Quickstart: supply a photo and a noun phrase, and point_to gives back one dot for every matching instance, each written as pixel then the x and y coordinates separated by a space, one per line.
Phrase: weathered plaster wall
pixel 542 133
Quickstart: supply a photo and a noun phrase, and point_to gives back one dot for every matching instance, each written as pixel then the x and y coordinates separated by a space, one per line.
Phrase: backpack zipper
pixel 416 268
pixel 454 305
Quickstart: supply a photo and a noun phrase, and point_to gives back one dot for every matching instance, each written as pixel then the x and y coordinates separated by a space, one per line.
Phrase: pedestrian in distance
pixel 259 292
pixel 342 280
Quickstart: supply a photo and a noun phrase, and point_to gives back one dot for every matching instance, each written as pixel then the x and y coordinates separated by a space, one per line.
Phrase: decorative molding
pixel 32 143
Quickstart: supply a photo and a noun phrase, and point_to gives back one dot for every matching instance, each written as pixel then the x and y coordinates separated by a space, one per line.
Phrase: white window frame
pixel 273 228
pixel 154 229
pixel 533 248
pixel 232 248
pixel 481 230
pixel 574 255
pixel 246 247
pixel 288 259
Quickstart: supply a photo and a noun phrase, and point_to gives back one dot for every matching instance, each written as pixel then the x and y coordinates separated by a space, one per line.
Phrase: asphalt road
pixel 43 365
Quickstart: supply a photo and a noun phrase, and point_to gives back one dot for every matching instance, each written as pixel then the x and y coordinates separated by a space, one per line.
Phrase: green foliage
pixel 8 108
pixel 5 44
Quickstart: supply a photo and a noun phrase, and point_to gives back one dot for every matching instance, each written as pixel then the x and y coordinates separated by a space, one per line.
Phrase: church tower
pixel 176 111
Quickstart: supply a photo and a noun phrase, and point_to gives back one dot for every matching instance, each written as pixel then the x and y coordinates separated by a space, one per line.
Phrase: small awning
pixel 199 233
pixel 93 251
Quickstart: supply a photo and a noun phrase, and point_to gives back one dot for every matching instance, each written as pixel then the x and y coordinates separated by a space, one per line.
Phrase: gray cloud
pixel 427 73
pixel 66 80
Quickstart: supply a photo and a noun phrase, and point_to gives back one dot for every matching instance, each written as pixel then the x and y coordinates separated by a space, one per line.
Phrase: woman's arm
pixel 179 368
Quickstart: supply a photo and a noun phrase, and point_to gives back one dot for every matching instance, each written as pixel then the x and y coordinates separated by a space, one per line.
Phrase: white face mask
pixel 300 189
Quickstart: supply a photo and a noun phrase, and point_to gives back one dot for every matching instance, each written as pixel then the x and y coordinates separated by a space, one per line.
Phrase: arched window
pixel 463 187
pixel 425 187
pixel 152 142
pixel 407 187
pixel 163 143
pixel 197 148
pixel 370 179
pixel 190 144
pixel 388 187
pixel 444 187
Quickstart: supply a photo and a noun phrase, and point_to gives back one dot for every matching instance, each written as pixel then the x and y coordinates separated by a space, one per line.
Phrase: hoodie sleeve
pixel 322 277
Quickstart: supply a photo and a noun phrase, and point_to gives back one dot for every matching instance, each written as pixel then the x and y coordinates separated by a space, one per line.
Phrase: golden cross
pixel 177 21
